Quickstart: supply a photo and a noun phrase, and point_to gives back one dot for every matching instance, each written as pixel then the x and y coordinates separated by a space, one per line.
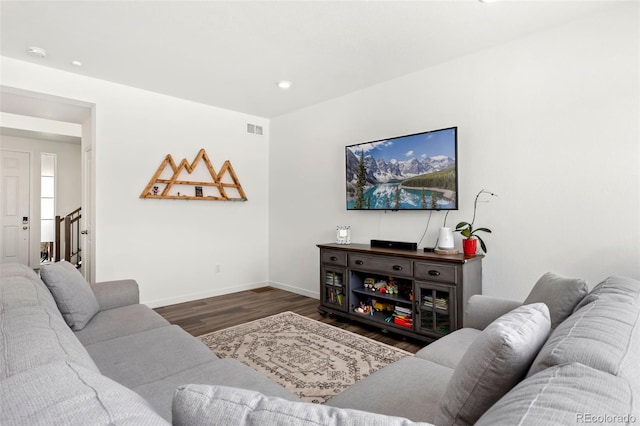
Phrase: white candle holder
pixel 343 234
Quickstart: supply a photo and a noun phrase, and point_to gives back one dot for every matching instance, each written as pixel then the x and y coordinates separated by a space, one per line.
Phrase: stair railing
pixel 71 244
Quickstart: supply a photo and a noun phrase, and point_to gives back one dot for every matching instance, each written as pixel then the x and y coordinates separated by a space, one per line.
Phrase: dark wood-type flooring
pixel 216 313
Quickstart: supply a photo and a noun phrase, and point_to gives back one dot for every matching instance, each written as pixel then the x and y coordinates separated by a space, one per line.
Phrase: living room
pixel 549 122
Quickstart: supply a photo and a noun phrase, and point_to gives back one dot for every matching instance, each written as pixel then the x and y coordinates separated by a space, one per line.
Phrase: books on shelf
pixel 440 302
pixel 403 316
pixel 402 311
pixel 333 278
pixel 336 297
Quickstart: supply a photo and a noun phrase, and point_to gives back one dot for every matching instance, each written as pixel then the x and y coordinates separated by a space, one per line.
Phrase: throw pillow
pixel 72 294
pixel 496 361
pixel 560 294
pixel 196 405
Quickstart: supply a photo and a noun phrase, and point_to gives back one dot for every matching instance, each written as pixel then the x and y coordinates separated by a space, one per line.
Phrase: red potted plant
pixel 469 232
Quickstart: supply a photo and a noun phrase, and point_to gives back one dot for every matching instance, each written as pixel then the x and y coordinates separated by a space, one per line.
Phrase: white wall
pixel 68 194
pixel 170 246
pixel 549 123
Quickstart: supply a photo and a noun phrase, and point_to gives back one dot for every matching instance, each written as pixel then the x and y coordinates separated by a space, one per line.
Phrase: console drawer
pixel 393 266
pixel 436 272
pixel 333 257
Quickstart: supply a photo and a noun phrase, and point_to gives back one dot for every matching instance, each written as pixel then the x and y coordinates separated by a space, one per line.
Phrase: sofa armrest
pixel 116 294
pixel 483 310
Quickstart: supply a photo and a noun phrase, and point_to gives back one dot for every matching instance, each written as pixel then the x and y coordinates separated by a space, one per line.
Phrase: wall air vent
pixel 254 128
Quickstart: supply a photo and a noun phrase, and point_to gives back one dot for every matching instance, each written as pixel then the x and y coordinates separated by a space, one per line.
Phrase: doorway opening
pixel 41 124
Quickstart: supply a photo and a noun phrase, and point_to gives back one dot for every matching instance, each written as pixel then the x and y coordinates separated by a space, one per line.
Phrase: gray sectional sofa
pixel 71 353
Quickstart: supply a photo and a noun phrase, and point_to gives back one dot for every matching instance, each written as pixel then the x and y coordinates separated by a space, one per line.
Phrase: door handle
pixel 85 232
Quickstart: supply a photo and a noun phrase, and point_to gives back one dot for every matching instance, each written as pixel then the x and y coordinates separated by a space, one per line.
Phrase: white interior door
pixel 87 215
pixel 14 211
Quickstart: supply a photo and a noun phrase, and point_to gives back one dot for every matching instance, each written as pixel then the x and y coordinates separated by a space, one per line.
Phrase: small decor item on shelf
pixel 363 308
pixel 369 284
pixel 198 191
pixel 466 229
pixel 380 286
pixel 155 190
pixel 343 234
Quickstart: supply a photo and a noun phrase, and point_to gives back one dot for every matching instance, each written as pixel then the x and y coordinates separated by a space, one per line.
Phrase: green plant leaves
pixel 461 225
pixel 482 245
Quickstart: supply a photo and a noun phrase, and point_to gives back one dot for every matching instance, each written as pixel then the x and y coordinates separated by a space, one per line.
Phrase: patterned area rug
pixel 309 358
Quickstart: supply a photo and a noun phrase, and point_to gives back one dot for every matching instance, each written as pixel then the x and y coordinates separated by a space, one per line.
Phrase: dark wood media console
pixel 425 296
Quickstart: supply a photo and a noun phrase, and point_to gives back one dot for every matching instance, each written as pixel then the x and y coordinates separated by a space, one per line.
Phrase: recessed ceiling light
pixel 487 1
pixel 284 84
pixel 76 63
pixel 37 52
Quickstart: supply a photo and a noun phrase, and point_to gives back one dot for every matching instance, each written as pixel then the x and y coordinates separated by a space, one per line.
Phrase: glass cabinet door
pixel 435 308
pixel 333 285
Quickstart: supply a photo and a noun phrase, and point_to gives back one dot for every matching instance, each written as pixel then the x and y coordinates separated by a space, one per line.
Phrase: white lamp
pixel 445 240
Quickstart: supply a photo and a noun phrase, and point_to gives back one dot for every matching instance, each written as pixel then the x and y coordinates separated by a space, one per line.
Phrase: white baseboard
pixel 297 290
pixel 156 303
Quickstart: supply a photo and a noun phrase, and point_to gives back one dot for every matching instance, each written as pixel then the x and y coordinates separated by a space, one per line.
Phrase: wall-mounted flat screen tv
pixel 412 172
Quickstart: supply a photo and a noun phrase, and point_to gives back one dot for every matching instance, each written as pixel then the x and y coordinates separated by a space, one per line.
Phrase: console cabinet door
pixel 435 306
pixel 333 285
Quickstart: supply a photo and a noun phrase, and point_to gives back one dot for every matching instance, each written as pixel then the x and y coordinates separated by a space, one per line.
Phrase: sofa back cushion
pixel 603 332
pixel 17 270
pixel 72 294
pixel 63 393
pixel 560 294
pixel 32 330
pixel 22 290
pixel 202 405
pixel 494 363
pixel 567 394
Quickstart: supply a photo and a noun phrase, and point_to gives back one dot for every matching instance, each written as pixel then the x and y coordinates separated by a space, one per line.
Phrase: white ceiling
pixel 231 54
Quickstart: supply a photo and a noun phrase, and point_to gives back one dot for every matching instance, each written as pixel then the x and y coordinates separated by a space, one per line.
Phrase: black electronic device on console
pixel 401 245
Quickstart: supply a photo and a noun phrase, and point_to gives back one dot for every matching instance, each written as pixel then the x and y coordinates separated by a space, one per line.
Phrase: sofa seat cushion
pixel 497 360
pixel 449 350
pixel 63 393
pixel 410 387
pixel 195 405
pixel 119 322
pixel 148 356
pixel 223 372
pixel 563 395
pixel 72 293
pixel 603 332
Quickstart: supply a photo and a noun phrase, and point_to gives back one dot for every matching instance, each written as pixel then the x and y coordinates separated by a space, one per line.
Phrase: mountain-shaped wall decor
pixel 201 183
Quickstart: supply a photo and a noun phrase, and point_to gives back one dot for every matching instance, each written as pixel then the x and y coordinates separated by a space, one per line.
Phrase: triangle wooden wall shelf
pixel 218 188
